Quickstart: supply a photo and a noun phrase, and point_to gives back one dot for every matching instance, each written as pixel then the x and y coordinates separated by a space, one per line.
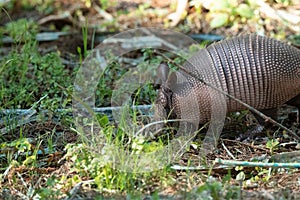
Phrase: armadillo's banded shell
pixel 260 71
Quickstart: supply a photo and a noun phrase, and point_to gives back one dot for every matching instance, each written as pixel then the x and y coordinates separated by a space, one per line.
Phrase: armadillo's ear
pixel 162 73
pixel 172 80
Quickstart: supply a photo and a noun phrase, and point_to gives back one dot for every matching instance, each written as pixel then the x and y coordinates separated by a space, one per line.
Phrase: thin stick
pixel 256 164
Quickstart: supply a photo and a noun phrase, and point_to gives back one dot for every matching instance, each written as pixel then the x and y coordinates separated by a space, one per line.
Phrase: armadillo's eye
pixel 167 98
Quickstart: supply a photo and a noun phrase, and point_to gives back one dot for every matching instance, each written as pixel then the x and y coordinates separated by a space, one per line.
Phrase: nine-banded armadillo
pixel 260 71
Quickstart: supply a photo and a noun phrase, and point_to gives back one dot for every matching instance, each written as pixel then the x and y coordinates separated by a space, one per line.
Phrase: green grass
pixel 32 80
pixel 42 6
pixel 26 75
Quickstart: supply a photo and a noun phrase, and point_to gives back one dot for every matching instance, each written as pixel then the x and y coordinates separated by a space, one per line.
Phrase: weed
pixel 96 160
pixel 214 189
pixel 115 70
pixel 26 75
pixel 20 151
pixel 42 6
pixel 85 43
pixel 49 192
pixel 22 30
pixel 227 12
pixel 273 145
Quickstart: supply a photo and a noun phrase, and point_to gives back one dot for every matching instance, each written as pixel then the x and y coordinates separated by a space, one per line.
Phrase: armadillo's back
pixel 260 71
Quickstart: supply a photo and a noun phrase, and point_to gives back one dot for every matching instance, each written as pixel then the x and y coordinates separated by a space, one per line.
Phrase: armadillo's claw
pixel 250 134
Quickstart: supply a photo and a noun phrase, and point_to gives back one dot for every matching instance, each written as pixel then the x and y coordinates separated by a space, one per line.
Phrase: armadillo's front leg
pixel 270 113
pixel 250 134
pixel 295 102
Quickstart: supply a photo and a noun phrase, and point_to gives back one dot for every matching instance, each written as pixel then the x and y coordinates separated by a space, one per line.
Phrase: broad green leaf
pixel 241 176
pixel 219 5
pixel 223 5
pixel 244 11
pixel 219 20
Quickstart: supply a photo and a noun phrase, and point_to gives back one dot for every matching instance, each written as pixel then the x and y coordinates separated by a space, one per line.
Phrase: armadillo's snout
pixel 160 109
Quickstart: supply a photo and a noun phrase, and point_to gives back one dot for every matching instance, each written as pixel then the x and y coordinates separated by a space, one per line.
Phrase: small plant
pixel 42 6
pixel 26 75
pixel 50 191
pixel 105 4
pixel 214 189
pixel 22 30
pixel 106 177
pixel 106 161
pixel 226 12
pixel 272 145
pixel 85 43
pixel 20 151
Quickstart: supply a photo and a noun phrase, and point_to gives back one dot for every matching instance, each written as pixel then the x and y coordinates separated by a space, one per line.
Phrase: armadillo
pixel 260 71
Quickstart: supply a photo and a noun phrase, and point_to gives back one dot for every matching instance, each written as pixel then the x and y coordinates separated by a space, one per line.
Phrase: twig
pixel 22 180
pixel 256 164
pixel 229 153
pixel 103 13
pixel 246 144
pixel 24 118
pixel 20 194
pixel 199 168
pixel 293 156
pixel 6 129
pixel 76 188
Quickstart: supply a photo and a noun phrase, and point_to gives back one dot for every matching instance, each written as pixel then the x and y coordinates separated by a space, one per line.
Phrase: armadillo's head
pixel 177 99
pixel 164 105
